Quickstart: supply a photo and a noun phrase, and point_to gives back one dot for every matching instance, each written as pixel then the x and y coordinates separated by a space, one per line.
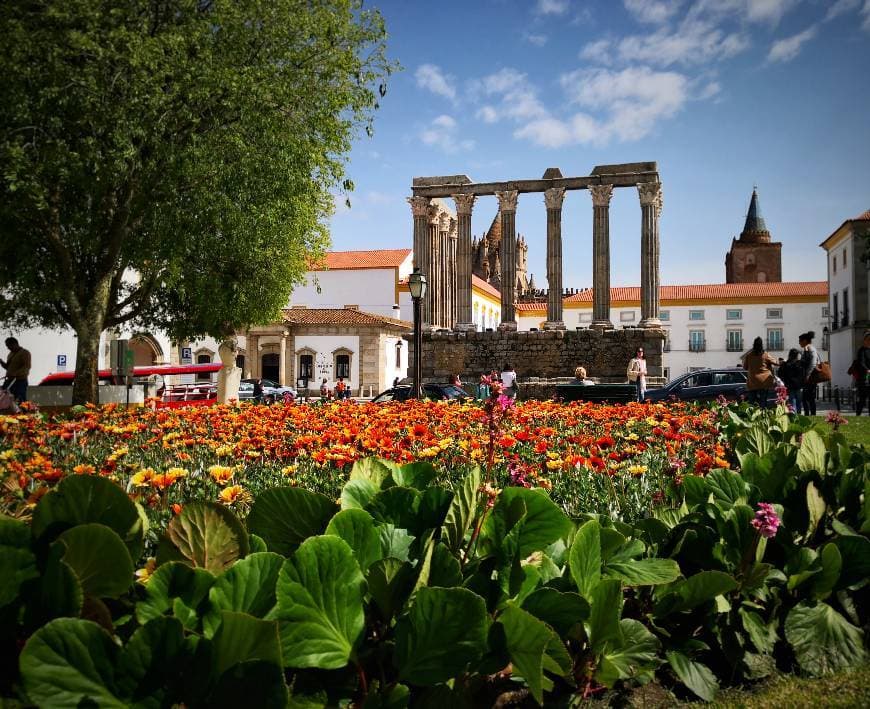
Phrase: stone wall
pixel 546 355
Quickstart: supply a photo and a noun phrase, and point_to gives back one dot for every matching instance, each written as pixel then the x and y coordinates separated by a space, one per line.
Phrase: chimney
pixel 397 312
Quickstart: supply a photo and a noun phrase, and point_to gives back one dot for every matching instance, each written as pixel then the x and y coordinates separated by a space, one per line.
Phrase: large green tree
pixel 173 161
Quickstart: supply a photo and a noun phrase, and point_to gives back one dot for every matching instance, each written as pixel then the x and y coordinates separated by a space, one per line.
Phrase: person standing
pixel 759 373
pixel 637 373
pixel 509 381
pixel 483 387
pixel 792 374
pixel 17 367
pixel 809 361
pixel 258 391
pixel 862 375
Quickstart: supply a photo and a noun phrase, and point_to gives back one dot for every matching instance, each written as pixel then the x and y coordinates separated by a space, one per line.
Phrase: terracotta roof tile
pixel 338 316
pixel 863 217
pixel 349 260
pixel 484 286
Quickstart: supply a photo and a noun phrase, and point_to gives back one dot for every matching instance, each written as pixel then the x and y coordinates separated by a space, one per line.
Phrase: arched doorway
pixel 270 366
pixel 146 350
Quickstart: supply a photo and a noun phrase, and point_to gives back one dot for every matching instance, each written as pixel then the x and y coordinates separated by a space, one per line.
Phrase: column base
pixel 510 326
pixel 554 325
pixel 465 327
pixel 650 323
pixel 601 325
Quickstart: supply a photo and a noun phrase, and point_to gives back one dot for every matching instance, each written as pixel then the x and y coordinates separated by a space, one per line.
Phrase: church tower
pixel 754 258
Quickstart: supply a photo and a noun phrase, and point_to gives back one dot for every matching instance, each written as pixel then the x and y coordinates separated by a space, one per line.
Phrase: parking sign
pixel 61 363
pixel 186 355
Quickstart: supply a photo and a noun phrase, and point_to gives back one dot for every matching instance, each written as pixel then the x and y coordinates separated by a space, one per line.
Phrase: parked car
pixel 705 385
pixel 433 392
pixel 272 391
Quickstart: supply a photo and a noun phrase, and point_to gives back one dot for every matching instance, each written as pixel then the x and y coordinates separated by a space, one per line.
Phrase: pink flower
pixel 781 395
pixel 835 419
pixel 505 402
pixel 766 520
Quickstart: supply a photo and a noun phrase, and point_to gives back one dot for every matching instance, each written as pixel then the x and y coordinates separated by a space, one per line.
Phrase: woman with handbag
pixel 637 373
pixel 759 373
pixel 810 360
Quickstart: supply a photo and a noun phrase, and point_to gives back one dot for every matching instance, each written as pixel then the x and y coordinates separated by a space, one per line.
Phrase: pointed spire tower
pixel 754 258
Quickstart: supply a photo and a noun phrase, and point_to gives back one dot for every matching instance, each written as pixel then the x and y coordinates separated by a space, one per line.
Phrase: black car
pixel 704 385
pixel 433 392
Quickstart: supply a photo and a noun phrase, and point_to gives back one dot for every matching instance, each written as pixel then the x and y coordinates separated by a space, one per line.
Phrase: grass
pixel 856 431
pixel 846 689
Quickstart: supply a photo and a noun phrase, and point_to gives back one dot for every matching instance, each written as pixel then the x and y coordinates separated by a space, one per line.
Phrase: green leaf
pixel 174 586
pixel 695 590
pixel 444 631
pixel 68 663
pixel 256 543
pixel 390 582
pixel 148 666
pixel 816 506
pixel 60 593
pixel 527 640
pixel 398 506
pixel 418 475
pixel 694 675
pixel 831 563
pixel 444 568
pixel 14 533
pixel 256 683
pixel 463 509
pixel 695 489
pixel 727 487
pixel 375 470
pixel 811 454
pixel 855 553
pixel 395 542
pixel 243 638
pixel 286 516
pixel 16 567
pixel 396 696
pixel 248 586
pixel 606 608
pixel 644 572
pixel 762 635
pixel 544 521
pixel 634 656
pixel 99 559
pixel 357 494
pixel 584 558
pixel 205 535
pixel 84 499
pixel 612 542
pixel 320 601
pixel 357 528
pixel 560 610
pixel 823 641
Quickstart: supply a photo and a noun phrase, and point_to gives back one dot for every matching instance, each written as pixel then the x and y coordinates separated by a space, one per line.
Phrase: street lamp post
pixel 417 286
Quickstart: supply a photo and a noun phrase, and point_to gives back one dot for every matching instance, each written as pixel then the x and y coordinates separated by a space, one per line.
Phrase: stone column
pixel 464 205
pixel 430 310
pixel 601 195
pixel 553 198
pixel 451 275
pixel 254 354
pixel 420 210
pixel 443 257
pixel 282 359
pixel 651 207
pixel 507 205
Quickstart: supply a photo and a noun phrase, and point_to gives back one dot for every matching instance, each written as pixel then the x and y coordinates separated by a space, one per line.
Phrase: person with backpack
pixel 792 374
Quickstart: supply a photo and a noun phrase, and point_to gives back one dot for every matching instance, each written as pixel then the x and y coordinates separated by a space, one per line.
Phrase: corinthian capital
pixel 434 213
pixel 507 200
pixel 419 206
pixel 650 194
pixel 601 195
pixel 464 203
pixel 453 225
pixel 444 222
pixel 553 197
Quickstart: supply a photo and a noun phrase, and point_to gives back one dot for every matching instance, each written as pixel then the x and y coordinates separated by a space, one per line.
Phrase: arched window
pixel 203 357
pixel 342 358
pixel 306 366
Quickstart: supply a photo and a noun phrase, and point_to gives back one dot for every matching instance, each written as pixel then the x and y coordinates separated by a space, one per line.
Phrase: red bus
pixel 201 393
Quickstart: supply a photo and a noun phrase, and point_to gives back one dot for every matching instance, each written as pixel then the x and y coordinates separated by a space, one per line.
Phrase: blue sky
pixel 723 94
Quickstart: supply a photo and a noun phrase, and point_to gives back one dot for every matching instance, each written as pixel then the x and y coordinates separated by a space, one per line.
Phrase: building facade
pixel 849 305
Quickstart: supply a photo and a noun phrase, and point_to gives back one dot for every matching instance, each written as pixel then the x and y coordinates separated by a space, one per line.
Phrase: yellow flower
pixel 143 575
pixel 223 451
pixel 637 469
pixel 221 474
pixel 554 464
pixel 143 478
pixel 176 473
pixel 289 470
pixel 234 493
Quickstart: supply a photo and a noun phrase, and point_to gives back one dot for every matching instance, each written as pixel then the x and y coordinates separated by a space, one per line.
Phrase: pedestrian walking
pixel 637 373
pixel 759 368
pixel 809 361
pixel 17 366
pixel 792 374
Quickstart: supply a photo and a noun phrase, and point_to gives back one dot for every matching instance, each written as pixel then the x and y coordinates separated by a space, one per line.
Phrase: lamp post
pixel 417 286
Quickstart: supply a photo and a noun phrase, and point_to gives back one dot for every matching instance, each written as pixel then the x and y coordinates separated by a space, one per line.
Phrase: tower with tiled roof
pixel 486 260
pixel 753 257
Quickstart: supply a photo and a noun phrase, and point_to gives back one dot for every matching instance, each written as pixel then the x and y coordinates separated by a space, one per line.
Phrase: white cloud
pixel 841 7
pixel 768 10
pixel 442 133
pixel 865 11
pixel 785 50
pixel 598 51
pixel 652 11
pixel 430 77
pixel 712 89
pixel 487 114
pixel 694 42
pixel 538 40
pixel 517 97
pixel 552 7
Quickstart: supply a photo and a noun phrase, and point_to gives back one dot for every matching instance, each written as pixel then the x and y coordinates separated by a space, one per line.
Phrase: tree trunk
pixel 87 361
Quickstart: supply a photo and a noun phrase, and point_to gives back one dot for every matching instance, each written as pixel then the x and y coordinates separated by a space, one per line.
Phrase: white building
pixel 849 300
pixel 708 325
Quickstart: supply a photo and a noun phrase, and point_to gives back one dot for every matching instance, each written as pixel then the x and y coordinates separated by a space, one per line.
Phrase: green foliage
pixel 197 144
pixel 205 535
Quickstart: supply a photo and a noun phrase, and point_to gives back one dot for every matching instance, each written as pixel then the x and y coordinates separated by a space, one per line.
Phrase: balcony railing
pixel 697 346
pixel 732 346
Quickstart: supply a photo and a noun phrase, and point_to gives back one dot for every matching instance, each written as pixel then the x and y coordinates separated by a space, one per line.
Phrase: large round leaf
pixel 585 558
pixel 398 506
pixel 543 522
pixel 205 535
pixel 99 559
pixel 286 516
pixel 248 586
pixel 823 640
pixel 320 601
pixel 82 499
pixel 243 638
pixel 444 631
pixel 255 683
pixel 148 668
pixel 560 610
pixel 16 567
pixel 357 528
pixel 175 587
pixel 375 470
pixel 69 663
pixel 644 572
pixel 418 474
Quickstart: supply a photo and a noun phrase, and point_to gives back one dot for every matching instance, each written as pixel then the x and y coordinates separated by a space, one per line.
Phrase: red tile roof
pixel 484 286
pixel 338 316
pixel 349 260
pixel 863 217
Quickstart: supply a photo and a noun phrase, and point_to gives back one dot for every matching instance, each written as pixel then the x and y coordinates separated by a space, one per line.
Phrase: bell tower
pixel 753 257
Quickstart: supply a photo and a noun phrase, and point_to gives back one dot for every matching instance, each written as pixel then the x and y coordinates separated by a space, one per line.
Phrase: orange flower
pixel 221 474
pixel 234 493
pixel 84 469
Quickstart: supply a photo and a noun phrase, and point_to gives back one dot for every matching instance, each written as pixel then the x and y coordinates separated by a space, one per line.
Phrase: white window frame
pixel 696 315
pixel 774 313
pixel 770 346
pixel 665 315
pixel 738 316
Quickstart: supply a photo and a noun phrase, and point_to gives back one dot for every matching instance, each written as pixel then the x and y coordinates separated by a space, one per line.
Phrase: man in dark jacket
pixel 861 374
